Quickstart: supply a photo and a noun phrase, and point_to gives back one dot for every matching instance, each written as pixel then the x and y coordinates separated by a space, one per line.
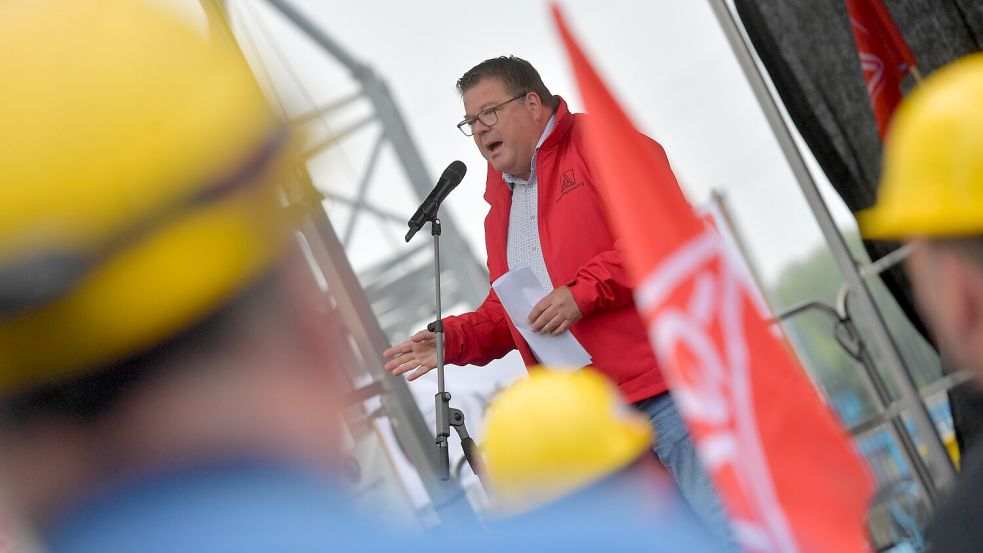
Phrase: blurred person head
pixel 506 106
pixel 931 194
pixel 149 315
pixel 569 463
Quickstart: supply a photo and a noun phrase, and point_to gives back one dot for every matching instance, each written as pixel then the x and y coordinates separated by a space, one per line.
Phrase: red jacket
pixel 580 252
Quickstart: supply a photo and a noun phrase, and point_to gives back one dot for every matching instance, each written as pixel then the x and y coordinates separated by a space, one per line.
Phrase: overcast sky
pixel 666 60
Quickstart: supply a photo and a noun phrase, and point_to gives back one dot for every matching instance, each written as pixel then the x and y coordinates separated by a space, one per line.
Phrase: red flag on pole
pixel 783 465
pixel 884 56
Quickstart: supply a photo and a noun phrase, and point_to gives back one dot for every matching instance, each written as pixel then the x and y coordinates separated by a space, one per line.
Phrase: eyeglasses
pixel 487 116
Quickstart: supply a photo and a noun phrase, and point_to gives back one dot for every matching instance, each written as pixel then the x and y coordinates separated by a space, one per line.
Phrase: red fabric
pixel 784 466
pixel 580 252
pixel 884 56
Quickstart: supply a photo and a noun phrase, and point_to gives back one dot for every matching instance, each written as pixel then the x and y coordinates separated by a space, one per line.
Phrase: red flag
pixel 784 466
pixel 884 56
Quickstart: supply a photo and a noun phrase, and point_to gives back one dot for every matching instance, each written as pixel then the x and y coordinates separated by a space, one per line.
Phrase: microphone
pixel 427 211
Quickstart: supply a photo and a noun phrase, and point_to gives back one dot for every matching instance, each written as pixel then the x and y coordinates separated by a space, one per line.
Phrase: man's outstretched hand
pixel 555 313
pixel 418 354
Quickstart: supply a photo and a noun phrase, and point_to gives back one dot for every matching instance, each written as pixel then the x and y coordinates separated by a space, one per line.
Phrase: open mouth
pixel 493 146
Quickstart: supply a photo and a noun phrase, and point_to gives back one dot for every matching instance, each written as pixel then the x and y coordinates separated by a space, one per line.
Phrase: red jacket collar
pixel 564 120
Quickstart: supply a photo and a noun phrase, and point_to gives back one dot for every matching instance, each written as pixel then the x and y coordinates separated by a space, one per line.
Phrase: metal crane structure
pixel 372 295
pixel 367 122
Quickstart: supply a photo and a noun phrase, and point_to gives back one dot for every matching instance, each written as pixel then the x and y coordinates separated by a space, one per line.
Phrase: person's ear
pixel 967 279
pixel 535 105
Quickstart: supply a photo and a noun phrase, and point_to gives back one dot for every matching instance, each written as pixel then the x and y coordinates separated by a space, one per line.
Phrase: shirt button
pixel 532 217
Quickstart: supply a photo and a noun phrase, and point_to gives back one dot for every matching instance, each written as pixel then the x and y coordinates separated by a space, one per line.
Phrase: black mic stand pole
pixel 447 416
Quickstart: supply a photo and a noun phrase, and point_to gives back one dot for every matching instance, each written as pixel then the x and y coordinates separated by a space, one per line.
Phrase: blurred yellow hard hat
pixel 932 184
pixel 556 432
pixel 138 163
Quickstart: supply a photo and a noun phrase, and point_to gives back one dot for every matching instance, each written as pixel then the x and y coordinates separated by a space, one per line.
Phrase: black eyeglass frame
pixel 467 125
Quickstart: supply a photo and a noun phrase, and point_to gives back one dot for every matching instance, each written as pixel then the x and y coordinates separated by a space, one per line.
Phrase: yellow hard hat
pixel 556 432
pixel 932 184
pixel 138 163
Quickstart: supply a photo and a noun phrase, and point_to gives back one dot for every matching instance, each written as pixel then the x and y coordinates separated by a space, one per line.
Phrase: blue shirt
pixel 239 507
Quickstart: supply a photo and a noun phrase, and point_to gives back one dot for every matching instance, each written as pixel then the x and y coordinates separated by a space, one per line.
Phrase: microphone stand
pixel 446 415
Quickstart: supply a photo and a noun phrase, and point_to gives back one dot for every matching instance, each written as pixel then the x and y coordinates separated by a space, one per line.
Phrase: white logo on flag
pixel 710 379
pixel 872 65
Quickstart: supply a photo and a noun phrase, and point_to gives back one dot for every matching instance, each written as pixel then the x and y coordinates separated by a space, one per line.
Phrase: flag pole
pixel 916 74
pixel 936 454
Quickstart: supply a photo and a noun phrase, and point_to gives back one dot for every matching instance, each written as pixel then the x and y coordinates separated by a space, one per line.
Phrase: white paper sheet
pixel 519 291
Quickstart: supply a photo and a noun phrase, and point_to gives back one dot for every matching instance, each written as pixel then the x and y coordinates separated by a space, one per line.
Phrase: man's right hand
pixel 419 352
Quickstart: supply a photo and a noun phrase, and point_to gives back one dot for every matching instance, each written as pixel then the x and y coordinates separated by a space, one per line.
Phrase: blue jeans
pixel 675 450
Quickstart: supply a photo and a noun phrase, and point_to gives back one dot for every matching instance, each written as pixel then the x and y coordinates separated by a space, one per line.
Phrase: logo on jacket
pixel 568 183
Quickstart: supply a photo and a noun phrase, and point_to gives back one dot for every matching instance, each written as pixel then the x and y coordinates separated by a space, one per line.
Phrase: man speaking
pixel 546 214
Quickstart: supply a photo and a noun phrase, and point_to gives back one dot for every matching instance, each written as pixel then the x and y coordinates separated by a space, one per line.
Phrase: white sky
pixel 666 60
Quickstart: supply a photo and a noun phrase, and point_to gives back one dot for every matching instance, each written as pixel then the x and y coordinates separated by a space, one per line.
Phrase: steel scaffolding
pixel 378 303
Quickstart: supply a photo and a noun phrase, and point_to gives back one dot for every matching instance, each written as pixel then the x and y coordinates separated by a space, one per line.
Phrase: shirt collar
pixel 510 180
